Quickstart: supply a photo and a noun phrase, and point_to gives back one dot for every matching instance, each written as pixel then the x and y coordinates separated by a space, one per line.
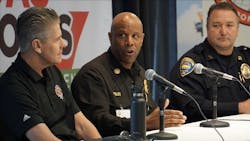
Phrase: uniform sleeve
pixel 19 110
pixel 91 94
pixel 197 86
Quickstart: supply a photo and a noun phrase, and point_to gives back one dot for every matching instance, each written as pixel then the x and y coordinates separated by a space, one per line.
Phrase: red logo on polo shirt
pixel 58 91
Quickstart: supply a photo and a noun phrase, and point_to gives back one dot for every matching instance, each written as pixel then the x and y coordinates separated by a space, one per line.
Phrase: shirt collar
pixel 24 67
pixel 211 52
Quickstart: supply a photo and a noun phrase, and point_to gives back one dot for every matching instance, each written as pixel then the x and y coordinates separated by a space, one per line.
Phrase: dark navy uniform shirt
pixel 28 99
pixel 230 93
pixel 102 86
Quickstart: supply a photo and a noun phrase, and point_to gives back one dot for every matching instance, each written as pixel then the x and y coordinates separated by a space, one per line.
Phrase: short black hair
pixel 221 6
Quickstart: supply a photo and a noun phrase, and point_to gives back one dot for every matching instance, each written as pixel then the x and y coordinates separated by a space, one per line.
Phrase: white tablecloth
pixel 239 130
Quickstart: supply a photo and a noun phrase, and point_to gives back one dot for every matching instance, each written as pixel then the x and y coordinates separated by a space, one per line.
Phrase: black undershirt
pixel 225 60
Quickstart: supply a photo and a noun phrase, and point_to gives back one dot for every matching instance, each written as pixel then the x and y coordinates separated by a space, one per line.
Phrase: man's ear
pixel 36 45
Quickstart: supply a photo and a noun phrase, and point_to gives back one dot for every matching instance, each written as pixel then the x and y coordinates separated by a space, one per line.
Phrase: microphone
pixel 200 69
pixel 150 74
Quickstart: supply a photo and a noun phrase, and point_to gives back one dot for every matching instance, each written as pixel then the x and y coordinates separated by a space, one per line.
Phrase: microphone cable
pixel 197 105
pixel 149 74
pixel 245 89
pixel 199 71
pixel 202 113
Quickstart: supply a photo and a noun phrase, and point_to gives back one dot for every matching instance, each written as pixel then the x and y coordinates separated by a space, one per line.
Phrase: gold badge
pixel 186 66
pixel 117 71
pixel 117 94
pixel 146 89
pixel 245 70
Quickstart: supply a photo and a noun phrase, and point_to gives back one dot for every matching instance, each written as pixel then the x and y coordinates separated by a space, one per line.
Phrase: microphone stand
pixel 214 122
pixel 162 135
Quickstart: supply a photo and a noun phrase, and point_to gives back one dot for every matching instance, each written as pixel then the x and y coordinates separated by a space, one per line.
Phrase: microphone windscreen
pixel 198 68
pixel 149 74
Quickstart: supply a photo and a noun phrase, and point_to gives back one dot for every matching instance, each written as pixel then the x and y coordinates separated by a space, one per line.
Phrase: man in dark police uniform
pixel 35 103
pixel 216 52
pixel 102 88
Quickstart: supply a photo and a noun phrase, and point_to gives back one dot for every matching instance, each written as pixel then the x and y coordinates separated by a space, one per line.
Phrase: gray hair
pixel 33 24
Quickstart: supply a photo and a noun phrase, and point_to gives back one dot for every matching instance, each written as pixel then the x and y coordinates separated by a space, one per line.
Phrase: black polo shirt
pixel 28 99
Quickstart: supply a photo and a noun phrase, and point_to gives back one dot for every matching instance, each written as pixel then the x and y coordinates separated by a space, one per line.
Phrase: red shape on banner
pixel 9 3
pixel 79 19
pixel 40 3
pixel 244 15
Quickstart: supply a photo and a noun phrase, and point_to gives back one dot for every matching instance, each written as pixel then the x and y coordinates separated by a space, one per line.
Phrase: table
pixel 239 130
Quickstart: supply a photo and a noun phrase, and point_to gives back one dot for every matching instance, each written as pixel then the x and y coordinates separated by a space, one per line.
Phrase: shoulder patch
pixel 245 70
pixel 186 66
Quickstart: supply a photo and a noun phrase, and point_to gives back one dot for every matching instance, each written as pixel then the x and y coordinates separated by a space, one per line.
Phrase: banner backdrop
pixel 191 22
pixel 85 25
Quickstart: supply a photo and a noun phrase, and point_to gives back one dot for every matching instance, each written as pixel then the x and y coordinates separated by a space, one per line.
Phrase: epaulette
pixel 245 51
pixel 244 48
pixel 199 48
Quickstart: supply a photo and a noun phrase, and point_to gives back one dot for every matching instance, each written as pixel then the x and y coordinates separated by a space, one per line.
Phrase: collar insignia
pixel 240 58
pixel 117 71
pixel 117 94
pixel 186 66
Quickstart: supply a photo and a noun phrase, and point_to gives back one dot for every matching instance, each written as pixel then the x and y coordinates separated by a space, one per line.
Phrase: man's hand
pixel 84 128
pixel 171 118
pixel 244 107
